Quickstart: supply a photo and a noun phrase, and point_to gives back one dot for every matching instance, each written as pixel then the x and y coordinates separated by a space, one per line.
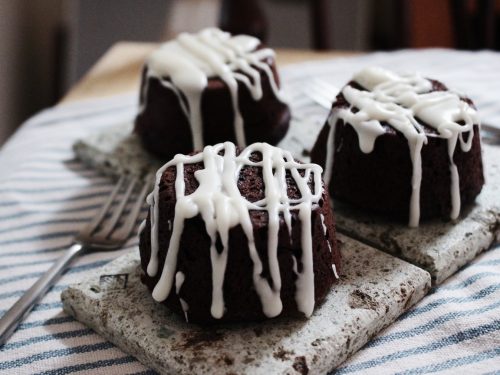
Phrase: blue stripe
pixel 41 307
pixel 57 149
pixel 72 270
pixel 456 338
pixel 23 264
pixel 59 177
pixel 493 262
pixel 54 168
pixel 36 224
pixel 54 354
pixel 63 200
pixel 57 248
pixel 57 163
pixel 494 372
pixel 55 211
pixel 47 322
pixel 47 236
pixel 40 237
pixel 467 282
pixel 92 366
pixel 19 293
pixel 435 322
pixel 65 220
pixel 53 235
pixel 51 211
pixel 44 338
pixel 55 189
pixel 452 363
pixel 434 304
pixel 32 252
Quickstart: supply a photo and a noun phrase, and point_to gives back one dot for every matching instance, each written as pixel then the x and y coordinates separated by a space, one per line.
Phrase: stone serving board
pixel 374 289
pixel 439 247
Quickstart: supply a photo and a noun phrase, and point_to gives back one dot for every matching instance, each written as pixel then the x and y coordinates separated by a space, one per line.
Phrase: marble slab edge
pixel 375 288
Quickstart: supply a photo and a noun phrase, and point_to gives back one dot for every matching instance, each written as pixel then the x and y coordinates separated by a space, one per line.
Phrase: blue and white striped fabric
pixel 46 196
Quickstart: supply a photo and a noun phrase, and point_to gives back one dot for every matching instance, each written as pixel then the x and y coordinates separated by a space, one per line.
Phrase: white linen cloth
pixel 46 196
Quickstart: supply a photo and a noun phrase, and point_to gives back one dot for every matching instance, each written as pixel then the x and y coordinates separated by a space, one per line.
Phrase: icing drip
pixel 142 225
pixel 179 280
pixel 334 268
pixel 220 204
pixel 322 217
pixel 329 246
pixel 399 100
pixel 185 64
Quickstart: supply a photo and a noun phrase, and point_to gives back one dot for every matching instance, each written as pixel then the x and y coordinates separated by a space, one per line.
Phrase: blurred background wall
pixel 46 46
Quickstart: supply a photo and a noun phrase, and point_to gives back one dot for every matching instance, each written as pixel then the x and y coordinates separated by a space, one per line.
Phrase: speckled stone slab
pixel 375 288
pixel 117 150
pixel 439 247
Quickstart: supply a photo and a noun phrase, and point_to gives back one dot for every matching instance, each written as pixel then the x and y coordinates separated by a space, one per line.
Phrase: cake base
pixel 439 247
pixel 115 303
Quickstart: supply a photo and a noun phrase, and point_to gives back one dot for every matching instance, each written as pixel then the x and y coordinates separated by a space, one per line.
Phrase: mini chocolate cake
pixel 207 88
pixel 402 146
pixel 249 235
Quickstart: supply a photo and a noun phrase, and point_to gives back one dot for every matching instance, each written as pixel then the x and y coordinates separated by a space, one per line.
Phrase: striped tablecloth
pixel 46 196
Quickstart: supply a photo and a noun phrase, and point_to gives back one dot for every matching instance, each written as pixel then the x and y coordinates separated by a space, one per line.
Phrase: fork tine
pixel 97 220
pixel 125 230
pixel 111 223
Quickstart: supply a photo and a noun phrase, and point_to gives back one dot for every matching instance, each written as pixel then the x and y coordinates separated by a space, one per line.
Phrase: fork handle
pixel 23 306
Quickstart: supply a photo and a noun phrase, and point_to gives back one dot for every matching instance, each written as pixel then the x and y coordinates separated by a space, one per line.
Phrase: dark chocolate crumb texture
pixel 239 235
pixel 403 146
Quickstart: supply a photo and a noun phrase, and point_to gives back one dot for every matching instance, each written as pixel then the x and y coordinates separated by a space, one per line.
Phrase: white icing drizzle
pixel 191 59
pixel 334 269
pixel 329 246
pixel 323 223
pixel 220 204
pixel 142 225
pixel 179 280
pixel 399 100
pixel 325 229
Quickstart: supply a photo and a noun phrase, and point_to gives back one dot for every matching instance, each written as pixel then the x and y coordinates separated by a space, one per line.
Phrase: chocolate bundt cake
pixel 401 145
pixel 208 88
pixel 239 235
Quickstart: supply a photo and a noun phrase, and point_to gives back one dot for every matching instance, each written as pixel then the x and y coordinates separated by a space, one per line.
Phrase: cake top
pixel 405 102
pixel 186 63
pixel 208 53
pixel 219 202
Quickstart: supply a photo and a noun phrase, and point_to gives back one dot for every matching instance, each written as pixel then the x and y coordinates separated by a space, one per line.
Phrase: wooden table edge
pixel 119 69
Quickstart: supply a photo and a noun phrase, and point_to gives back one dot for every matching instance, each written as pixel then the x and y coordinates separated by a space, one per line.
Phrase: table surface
pixel 120 68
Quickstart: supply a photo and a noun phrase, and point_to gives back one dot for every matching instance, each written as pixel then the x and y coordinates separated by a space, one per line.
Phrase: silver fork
pixel 99 235
pixel 324 94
